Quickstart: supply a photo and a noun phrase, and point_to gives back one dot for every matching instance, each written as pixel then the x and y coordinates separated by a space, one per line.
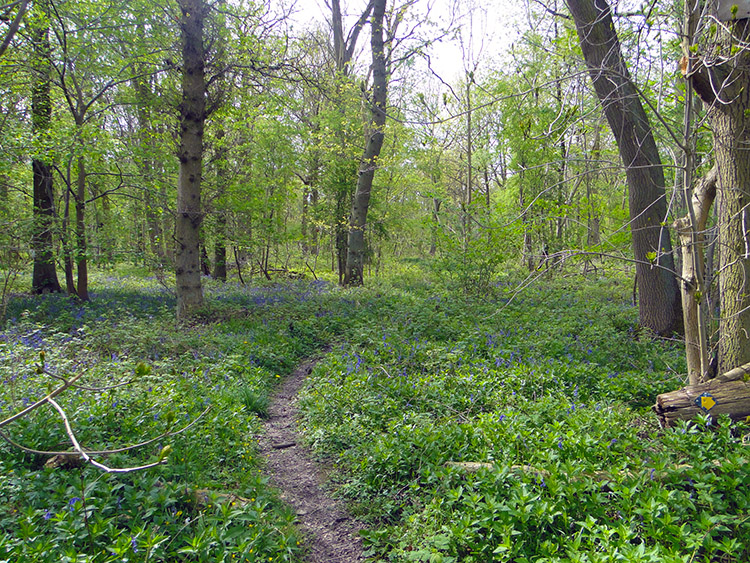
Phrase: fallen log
pixel 598 476
pixel 474 466
pixel 727 394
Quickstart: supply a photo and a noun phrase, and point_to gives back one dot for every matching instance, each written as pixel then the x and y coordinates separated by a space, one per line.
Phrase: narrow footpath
pixel 330 532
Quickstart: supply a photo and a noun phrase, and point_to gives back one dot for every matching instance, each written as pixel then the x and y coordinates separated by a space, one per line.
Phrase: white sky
pixel 487 28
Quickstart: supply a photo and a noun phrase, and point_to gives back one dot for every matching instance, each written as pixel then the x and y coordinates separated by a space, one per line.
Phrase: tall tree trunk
pixel 343 50
pixel 80 230
pixel 341 235
pixel 355 259
pixel 70 282
pixel 222 180
pixel 192 121
pixel 528 258
pixel 147 165
pixel 153 223
pixel 205 260
pixel 469 144
pixel 44 278
pixel 593 222
pixel 730 120
pixel 720 78
pixel 436 203
pixel 659 304
pixel 305 217
pixel 167 222
pixel 309 205
pixel 691 230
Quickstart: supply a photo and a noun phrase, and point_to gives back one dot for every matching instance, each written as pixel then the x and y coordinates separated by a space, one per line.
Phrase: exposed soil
pixel 331 533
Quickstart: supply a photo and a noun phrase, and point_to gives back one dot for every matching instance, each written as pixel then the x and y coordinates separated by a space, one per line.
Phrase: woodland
pixel 508 245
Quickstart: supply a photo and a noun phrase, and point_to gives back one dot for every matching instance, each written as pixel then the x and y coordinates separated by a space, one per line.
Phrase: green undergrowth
pixel 551 393
pixel 549 388
pixel 207 383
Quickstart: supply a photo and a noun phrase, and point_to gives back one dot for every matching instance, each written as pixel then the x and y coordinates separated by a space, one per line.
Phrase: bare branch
pixel 86 457
pixel 14 24
pixel 38 404
pixel 8 439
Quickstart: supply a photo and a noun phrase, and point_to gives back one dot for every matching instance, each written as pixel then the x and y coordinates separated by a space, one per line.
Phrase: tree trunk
pixel 690 230
pixel 192 121
pixel 527 251
pixel 220 248
pixel 731 130
pixel 593 235
pixel 343 49
pixel 305 218
pixel 720 78
pixel 659 305
pixel 354 275
pixel 436 203
pixel 147 166
pixel 44 278
pixel 70 283
pixel 343 200
pixel 80 230
pixel 153 222
pixel 315 229
pixel 205 260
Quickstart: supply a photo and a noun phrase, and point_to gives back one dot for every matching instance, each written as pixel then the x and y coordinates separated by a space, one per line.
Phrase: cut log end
pixel 716 397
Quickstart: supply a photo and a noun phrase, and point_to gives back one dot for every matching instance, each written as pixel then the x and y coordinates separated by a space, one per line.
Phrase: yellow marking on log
pixel 707 402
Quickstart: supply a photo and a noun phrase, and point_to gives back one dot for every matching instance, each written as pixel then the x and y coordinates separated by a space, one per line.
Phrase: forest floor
pixel 560 379
pixel 331 533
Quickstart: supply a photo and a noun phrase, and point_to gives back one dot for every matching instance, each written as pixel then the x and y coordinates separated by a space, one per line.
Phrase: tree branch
pixel 8 439
pixel 14 25
pixel 86 457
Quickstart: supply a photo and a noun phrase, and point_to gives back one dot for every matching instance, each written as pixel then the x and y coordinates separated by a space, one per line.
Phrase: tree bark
pixel 720 78
pixel 527 252
pixel 343 48
pixel 192 122
pixel 354 275
pixel 14 25
pixel 80 230
pixel 691 230
pixel 436 203
pixel 70 282
pixel 220 247
pixel 44 277
pixel 147 164
pixel 659 304
pixel 731 130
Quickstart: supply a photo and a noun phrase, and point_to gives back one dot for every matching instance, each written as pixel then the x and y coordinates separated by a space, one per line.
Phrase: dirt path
pixel 331 533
